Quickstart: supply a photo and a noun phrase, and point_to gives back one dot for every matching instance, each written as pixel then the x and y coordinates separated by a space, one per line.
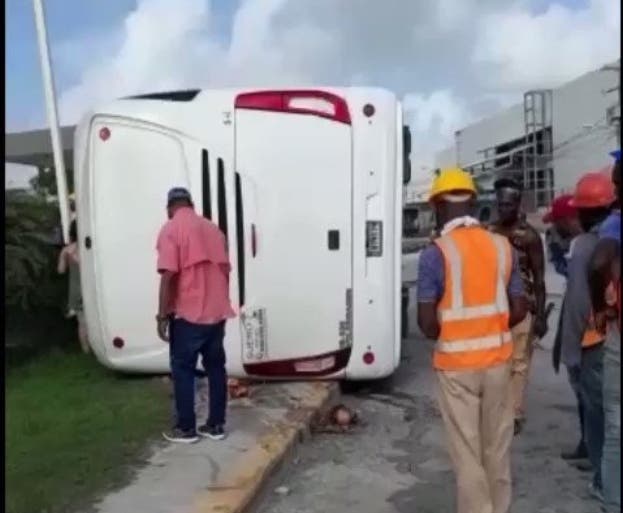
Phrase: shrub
pixel 30 257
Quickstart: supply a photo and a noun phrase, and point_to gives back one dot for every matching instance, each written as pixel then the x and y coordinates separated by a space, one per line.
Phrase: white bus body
pixel 307 186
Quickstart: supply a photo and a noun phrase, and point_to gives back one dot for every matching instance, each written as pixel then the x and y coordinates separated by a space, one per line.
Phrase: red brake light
pixel 118 342
pixel 269 100
pixel 104 134
pixel 368 358
pixel 315 103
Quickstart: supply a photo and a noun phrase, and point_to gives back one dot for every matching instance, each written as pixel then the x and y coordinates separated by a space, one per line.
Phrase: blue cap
pixel 178 193
pixel 616 154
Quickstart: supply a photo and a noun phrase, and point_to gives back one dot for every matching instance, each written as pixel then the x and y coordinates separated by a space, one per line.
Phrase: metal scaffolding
pixel 537 168
pixel 527 159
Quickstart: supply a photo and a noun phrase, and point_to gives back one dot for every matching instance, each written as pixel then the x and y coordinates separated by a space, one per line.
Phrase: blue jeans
pixel 591 390
pixel 611 458
pixel 574 381
pixel 188 341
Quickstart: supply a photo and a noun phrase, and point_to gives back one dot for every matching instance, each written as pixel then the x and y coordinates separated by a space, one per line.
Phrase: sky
pixel 452 61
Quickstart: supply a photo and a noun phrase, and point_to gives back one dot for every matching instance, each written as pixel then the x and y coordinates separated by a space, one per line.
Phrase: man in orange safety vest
pixel 470 294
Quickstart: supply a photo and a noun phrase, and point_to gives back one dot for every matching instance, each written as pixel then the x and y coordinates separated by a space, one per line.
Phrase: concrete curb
pixel 243 481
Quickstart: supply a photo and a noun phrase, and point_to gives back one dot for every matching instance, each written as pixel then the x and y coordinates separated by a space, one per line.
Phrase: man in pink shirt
pixel 193 308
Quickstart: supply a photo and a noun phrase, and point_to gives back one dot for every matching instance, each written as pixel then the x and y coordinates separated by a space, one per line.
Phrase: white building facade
pixel 547 142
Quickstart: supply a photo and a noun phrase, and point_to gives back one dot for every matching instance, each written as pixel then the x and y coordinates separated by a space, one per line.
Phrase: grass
pixel 74 430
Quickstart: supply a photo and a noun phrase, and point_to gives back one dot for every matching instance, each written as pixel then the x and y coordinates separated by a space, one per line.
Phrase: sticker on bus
pixel 254 334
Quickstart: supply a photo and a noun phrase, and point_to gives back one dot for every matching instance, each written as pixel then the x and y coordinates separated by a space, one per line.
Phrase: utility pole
pixel 52 114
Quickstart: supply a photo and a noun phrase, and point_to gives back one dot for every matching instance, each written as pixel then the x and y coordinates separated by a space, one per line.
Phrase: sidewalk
pixel 223 477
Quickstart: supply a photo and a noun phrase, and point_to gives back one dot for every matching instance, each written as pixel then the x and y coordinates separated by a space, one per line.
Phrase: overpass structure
pixel 34 148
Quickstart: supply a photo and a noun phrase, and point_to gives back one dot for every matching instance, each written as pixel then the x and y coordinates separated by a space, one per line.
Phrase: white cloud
pixel 433 120
pixel 154 42
pixel 434 52
pixel 550 48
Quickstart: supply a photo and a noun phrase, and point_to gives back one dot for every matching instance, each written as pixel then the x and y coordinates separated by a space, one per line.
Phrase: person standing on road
pixel 564 227
pixel 605 284
pixel 469 295
pixel 527 242
pixel 581 343
pixel 193 307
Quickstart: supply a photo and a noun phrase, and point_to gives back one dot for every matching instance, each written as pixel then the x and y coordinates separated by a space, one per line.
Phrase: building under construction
pixel 548 141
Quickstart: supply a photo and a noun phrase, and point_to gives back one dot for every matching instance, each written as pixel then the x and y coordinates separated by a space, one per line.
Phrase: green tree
pixel 45 181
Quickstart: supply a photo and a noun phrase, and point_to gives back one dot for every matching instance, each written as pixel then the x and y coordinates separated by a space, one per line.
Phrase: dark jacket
pixel 576 307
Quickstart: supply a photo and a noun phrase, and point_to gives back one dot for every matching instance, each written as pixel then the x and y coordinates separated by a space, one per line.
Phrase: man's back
pixel 577 304
pixel 195 249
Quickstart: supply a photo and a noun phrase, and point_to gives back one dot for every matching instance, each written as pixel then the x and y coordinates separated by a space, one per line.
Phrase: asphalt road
pixel 396 461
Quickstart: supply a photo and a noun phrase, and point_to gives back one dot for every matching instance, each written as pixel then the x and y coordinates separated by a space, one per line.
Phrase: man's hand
pixel 163 328
pixel 168 281
pixel 540 326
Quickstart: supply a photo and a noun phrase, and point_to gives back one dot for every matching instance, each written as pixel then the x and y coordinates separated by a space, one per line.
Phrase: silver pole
pixel 50 104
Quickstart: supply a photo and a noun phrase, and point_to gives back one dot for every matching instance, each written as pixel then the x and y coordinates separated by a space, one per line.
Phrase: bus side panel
pixel 376 296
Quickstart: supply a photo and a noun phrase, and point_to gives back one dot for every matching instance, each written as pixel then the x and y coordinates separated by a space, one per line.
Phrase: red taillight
pixel 118 342
pixel 104 134
pixel 368 358
pixel 269 100
pixel 253 241
pixel 314 103
pixel 319 365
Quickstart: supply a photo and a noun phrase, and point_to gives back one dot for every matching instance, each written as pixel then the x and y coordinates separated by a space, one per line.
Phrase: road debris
pixel 339 419
pixel 237 388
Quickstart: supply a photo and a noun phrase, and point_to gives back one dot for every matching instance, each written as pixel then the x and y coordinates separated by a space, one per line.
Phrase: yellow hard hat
pixel 452 179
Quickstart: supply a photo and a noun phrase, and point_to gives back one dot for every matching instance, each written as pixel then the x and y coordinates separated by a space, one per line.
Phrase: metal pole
pixel 50 104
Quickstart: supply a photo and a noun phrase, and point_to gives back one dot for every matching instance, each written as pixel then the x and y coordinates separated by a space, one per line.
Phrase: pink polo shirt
pixel 195 249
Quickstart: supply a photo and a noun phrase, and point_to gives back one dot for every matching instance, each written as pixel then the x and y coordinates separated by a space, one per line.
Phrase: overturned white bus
pixel 306 185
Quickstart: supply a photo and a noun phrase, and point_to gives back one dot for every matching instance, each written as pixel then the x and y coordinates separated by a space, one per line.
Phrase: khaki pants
pixel 523 346
pixel 477 413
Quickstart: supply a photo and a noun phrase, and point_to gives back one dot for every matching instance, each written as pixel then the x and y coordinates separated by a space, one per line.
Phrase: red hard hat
pixel 593 190
pixel 561 208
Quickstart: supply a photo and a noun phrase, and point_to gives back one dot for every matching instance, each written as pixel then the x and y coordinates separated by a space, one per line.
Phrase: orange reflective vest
pixel 473 311
pixel 591 335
